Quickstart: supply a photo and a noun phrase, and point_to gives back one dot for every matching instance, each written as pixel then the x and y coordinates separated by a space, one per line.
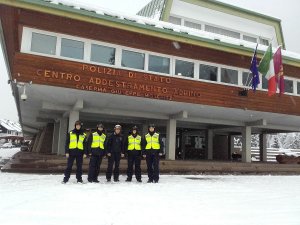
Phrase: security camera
pixel 24 97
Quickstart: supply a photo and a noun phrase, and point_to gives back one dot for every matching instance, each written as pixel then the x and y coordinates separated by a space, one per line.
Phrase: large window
pixel 159 64
pixel 249 38
pixel 208 72
pixel 42 43
pixel 265 82
pixel 72 49
pixel 192 25
pixel 103 54
pixel 184 68
pixel 133 60
pixel 222 31
pixel 298 88
pixel 247 79
pixel 229 76
pixel 288 86
pixel 175 20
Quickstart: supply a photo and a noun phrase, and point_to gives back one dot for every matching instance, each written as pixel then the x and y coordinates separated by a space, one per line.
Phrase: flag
pixel 266 68
pixel 254 71
pixel 278 67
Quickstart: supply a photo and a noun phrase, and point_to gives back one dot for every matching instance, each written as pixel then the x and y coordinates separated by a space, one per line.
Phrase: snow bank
pixel 6 153
pixel 176 200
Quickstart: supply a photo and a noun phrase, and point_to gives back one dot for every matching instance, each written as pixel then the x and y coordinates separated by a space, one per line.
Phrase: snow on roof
pixel 81 5
pixel 10 125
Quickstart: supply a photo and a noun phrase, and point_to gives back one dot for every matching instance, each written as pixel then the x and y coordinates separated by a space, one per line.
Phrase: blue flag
pixel 254 71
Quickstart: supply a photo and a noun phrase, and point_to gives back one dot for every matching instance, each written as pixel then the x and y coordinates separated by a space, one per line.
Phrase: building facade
pixel 178 64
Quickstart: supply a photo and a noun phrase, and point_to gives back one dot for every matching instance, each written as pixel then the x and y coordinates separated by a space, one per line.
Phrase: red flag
pixel 278 67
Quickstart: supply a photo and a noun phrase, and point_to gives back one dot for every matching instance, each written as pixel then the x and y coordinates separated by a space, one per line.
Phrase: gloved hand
pixel 160 154
pixel 144 156
pixel 109 154
pixel 84 156
pixel 122 155
pixel 67 155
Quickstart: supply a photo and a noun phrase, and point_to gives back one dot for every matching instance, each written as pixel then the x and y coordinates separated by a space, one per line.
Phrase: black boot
pixel 96 181
pixel 139 180
pixel 80 181
pixel 128 180
pixel 65 181
pixel 150 181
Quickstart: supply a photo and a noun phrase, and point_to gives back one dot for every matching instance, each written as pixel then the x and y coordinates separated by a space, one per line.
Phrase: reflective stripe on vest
pixel 74 143
pixel 134 143
pixel 98 141
pixel 152 141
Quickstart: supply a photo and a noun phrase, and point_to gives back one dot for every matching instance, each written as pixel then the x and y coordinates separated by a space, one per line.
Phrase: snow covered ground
pixel 6 154
pixel 176 200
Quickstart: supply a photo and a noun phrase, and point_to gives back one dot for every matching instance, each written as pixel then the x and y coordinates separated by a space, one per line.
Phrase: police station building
pixel 180 64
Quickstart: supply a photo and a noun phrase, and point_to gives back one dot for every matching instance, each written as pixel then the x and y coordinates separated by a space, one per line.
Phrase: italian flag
pixel 266 68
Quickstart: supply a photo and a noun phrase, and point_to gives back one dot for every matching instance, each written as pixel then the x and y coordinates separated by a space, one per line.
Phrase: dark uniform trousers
pixel 152 159
pixel 114 159
pixel 134 158
pixel 94 166
pixel 77 155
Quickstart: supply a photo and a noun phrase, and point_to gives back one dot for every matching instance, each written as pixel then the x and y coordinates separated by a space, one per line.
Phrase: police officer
pixel 75 150
pixel 153 149
pixel 115 150
pixel 133 149
pixel 96 149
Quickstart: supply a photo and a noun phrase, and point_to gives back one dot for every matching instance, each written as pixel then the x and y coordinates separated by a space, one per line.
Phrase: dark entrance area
pixel 190 144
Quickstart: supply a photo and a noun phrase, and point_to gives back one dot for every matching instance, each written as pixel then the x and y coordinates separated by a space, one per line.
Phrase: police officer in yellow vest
pixel 133 148
pixel 96 149
pixel 75 150
pixel 153 149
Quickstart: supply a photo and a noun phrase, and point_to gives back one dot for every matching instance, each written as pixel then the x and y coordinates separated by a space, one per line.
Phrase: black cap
pixel 151 125
pixel 135 128
pixel 100 125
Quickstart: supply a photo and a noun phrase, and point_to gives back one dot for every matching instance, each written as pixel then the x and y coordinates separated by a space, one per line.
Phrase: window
pixel 264 41
pixel 229 76
pixel 288 86
pixel 175 20
pixel 103 54
pixel 247 79
pixel 222 31
pixel 265 82
pixel 192 25
pixel 298 88
pixel 72 49
pixel 159 64
pixel 42 43
pixel 249 38
pixel 208 72
pixel 184 68
pixel 133 60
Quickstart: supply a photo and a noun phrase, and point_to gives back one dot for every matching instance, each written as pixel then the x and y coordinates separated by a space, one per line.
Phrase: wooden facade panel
pixel 136 40
pixel 88 77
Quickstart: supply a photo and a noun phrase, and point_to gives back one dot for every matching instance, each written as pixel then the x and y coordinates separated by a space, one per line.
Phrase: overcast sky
pixel 287 11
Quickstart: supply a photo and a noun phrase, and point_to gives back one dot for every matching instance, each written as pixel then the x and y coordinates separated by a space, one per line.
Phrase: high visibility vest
pixel 74 143
pixel 152 141
pixel 134 143
pixel 98 140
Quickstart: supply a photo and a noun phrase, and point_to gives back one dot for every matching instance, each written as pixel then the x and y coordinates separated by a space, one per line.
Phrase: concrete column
pixel 74 116
pixel 263 147
pixel 210 143
pixel 171 139
pixel 246 144
pixel 55 137
pixel 63 130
